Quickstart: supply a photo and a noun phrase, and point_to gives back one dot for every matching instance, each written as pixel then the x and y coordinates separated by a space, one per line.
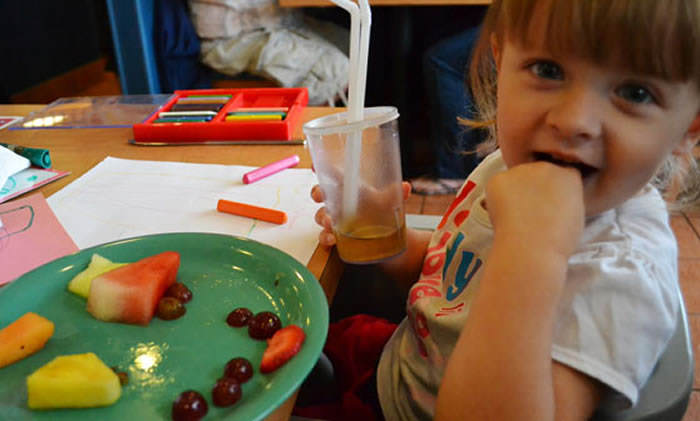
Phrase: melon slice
pixel 73 381
pixel 23 337
pixel 130 294
pixel 98 265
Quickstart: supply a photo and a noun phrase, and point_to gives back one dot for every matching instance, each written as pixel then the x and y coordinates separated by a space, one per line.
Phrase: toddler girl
pixel 550 287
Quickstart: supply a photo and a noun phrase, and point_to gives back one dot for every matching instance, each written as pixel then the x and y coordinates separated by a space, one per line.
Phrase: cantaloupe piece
pixel 80 284
pixel 73 381
pixel 23 337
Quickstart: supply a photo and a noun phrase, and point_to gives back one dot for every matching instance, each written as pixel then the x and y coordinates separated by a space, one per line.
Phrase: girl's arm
pixel 405 268
pixel 501 367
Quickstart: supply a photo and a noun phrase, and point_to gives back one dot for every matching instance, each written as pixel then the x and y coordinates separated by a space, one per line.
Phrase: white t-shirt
pixel 617 312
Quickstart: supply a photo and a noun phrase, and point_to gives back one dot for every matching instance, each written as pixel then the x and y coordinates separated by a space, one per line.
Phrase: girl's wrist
pixel 530 260
pixel 406 267
pixel 552 248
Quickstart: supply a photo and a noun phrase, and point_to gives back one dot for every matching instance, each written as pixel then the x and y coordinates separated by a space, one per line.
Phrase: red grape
pixel 264 325
pixel 226 392
pixel 239 317
pixel 170 308
pixel 189 406
pixel 179 291
pixel 240 369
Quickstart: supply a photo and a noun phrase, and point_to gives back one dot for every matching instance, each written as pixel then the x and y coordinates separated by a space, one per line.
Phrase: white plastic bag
pixel 258 37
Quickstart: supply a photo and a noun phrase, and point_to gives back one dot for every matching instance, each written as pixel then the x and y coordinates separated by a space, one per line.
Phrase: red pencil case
pixel 196 126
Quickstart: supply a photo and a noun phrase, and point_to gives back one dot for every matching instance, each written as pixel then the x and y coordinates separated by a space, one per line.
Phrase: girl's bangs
pixel 658 38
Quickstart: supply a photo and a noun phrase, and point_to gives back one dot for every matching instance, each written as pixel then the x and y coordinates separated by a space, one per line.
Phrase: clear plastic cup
pixel 361 184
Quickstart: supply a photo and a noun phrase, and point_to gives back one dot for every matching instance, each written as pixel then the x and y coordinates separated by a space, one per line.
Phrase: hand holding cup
pixel 327 237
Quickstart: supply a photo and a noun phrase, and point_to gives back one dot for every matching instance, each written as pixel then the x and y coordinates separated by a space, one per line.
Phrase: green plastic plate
pixel 168 357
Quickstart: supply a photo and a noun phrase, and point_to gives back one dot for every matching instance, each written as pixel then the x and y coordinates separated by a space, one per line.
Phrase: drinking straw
pixel 351 7
pixel 365 24
pixel 360 20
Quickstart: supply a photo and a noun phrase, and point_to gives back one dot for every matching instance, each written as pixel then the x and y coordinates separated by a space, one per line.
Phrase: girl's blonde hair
pixel 659 38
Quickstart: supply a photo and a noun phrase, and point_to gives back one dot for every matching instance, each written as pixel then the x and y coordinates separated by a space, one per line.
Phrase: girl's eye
pixel 636 94
pixel 547 70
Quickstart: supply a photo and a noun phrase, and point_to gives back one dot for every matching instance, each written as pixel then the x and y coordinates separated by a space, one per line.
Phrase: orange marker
pixel 251 211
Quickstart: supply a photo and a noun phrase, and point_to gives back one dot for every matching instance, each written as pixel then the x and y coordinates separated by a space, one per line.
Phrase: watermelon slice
pixel 130 294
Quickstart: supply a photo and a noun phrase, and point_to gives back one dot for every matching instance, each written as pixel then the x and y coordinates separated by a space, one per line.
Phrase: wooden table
pixel 78 150
pixel 326 3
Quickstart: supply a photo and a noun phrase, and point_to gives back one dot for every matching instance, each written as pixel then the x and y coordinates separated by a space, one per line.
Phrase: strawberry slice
pixel 281 347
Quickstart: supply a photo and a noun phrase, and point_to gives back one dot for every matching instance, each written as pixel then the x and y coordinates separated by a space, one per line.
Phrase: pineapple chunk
pixel 73 381
pixel 23 337
pixel 98 265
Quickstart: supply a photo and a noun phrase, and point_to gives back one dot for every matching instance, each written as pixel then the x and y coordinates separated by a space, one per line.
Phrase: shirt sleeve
pixel 617 314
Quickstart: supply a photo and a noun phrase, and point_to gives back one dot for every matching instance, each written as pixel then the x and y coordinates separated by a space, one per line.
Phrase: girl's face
pixel 615 127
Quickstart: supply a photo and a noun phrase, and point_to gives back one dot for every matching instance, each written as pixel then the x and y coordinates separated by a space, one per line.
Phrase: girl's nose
pixel 576 114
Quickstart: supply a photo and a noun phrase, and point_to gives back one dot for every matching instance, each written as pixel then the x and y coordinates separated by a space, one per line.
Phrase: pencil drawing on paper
pixel 15 221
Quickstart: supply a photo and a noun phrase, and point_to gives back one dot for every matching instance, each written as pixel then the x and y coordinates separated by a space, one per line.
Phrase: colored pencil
pixel 165 142
pixel 196 107
pixel 269 169
pixel 282 113
pixel 254 117
pixel 182 120
pixel 185 113
pixel 201 101
pixel 284 109
pixel 223 96
pixel 250 211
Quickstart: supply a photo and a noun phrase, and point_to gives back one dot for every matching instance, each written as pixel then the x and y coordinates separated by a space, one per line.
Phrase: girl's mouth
pixel 584 169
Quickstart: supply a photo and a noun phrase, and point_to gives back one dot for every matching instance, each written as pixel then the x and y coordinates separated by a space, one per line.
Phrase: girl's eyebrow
pixel 532 48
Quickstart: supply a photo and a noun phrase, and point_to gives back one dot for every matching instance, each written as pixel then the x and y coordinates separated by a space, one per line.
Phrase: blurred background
pixel 61 49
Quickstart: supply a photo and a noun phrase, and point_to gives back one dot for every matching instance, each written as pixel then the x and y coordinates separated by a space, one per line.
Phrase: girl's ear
pixel 495 51
pixel 691 138
pixel 695 126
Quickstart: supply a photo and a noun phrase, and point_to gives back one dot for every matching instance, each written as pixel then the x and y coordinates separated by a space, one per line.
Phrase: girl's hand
pixel 540 204
pixel 327 237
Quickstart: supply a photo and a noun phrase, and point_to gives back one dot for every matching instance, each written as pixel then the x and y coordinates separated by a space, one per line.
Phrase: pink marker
pixel 269 169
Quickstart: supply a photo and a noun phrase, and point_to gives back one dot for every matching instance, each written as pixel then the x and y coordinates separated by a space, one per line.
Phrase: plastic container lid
pixel 338 123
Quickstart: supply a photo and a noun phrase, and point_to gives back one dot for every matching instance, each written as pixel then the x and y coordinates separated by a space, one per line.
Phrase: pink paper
pixel 30 235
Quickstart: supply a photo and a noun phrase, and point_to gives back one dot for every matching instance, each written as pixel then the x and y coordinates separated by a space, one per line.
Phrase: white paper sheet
pixel 121 198
pixel 10 164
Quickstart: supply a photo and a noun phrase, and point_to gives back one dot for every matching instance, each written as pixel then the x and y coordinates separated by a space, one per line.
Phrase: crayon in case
pixel 234 114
